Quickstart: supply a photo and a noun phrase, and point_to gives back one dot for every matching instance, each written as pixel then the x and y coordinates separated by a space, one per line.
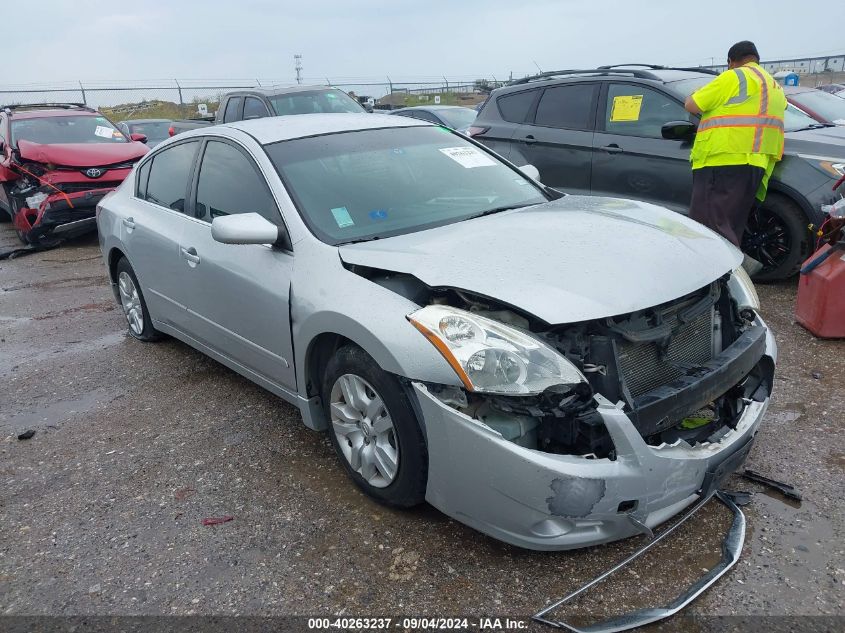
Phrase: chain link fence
pixel 180 98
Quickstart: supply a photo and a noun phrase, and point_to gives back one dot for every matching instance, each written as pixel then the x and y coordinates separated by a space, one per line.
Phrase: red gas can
pixel 821 294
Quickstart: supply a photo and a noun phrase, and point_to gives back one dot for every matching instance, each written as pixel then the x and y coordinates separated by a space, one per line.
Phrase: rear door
pixel 506 114
pixel 559 139
pixel 631 158
pixel 237 296
pixel 151 227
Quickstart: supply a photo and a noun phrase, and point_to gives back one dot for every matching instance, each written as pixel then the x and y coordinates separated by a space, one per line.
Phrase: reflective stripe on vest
pixel 759 122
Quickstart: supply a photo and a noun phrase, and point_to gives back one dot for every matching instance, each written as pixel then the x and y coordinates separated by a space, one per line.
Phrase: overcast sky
pixel 61 40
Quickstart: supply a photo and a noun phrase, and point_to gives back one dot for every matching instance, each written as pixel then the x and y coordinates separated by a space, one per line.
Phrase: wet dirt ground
pixel 135 444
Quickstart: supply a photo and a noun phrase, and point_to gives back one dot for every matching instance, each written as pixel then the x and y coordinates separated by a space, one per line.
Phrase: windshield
pixel 152 130
pixel 315 101
pixel 793 118
pixel 57 130
pixel 459 118
pixel 827 105
pixel 376 183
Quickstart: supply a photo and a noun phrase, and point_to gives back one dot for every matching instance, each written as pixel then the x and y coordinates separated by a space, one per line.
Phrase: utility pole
pixel 297 64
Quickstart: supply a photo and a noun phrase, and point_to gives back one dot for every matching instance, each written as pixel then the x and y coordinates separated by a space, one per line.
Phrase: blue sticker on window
pixel 378 214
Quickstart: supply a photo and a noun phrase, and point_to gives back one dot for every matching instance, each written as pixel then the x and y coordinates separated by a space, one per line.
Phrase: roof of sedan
pixel 284 128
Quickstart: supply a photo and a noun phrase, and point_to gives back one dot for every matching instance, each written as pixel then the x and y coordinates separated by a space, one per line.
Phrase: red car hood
pixel 82 154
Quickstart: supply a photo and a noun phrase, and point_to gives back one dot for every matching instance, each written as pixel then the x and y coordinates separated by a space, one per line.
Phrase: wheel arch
pixel 794 196
pixel 115 254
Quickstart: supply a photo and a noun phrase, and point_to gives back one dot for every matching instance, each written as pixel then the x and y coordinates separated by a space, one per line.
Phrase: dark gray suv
pixel 564 124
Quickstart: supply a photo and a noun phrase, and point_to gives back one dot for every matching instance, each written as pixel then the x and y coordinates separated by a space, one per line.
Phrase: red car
pixel 822 106
pixel 57 161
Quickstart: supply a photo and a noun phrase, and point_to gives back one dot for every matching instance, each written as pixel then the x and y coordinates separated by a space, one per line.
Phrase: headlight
pixel 742 290
pixel 834 167
pixel 491 357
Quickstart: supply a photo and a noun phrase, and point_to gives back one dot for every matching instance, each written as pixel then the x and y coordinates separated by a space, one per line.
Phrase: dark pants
pixel 722 198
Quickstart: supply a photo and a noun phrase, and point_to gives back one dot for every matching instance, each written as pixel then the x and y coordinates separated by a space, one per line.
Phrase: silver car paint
pixel 518 495
pixel 574 259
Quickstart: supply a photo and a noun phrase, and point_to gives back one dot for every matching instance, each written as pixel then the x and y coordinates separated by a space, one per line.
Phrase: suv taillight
pixel 171 131
pixel 475 130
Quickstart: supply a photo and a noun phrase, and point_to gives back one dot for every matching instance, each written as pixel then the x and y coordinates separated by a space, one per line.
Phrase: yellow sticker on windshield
pixel 626 108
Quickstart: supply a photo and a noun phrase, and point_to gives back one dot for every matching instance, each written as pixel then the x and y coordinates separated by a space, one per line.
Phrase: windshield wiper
pixel 507 207
pixel 813 126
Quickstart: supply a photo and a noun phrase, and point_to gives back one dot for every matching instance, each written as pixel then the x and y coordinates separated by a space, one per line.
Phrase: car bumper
pixel 545 501
pixel 61 215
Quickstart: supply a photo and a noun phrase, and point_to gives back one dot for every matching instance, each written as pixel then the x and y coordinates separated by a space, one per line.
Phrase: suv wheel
pixel 374 429
pixel 776 236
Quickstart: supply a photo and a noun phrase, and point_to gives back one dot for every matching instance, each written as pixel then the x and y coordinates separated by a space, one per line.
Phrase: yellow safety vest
pixel 749 123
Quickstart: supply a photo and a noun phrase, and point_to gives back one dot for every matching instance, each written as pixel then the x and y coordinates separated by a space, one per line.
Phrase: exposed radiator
pixel 645 369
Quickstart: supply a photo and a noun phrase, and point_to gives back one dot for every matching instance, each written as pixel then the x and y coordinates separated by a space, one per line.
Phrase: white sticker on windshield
pixel 468 157
pixel 104 131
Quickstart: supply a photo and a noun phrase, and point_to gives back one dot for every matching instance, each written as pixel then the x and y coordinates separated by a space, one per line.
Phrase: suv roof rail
pixel 36 106
pixel 641 74
pixel 652 66
pixel 696 69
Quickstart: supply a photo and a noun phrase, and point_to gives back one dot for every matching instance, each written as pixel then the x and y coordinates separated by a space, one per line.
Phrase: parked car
pixel 565 124
pixel 822 106
pixel 156 130
pixel 56 162
pixel 258 103
pixel 555 371
pixel 832 88
pixel 456 117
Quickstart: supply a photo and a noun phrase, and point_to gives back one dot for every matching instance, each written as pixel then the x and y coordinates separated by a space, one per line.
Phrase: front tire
pixel 133 303
pixel 374 429
pixel 776 235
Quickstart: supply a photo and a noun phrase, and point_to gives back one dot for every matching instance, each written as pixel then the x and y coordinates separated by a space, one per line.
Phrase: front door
pixel 559 141
pixel 631 159
pixel 237 295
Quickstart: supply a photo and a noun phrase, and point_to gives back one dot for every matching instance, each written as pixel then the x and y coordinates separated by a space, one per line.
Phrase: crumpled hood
pixel 82 154
pixel 574 259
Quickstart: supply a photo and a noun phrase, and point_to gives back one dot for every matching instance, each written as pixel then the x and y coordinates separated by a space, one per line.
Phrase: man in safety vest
pixel 739 140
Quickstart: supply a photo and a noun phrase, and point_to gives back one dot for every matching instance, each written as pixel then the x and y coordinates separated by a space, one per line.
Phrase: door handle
pixel 613 148
pixel 190 254
pixel 530 139
pixel 129 223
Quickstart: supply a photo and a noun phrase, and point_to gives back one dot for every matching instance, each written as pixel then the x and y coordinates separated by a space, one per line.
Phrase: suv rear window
pixel 515 107
pixel 568 107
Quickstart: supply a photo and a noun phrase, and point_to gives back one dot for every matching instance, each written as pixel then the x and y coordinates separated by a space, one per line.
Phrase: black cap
pixel 741 50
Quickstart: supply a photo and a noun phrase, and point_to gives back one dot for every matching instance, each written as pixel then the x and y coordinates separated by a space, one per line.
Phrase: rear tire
pixel 133 303
pixel 777 236
pixel 374 429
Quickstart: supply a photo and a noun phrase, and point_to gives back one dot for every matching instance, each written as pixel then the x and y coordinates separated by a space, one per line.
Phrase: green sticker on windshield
pixel 342 217
pixel 444 129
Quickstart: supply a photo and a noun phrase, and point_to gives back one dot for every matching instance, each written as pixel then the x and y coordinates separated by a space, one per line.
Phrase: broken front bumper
pixel 547 501
pixel 61 215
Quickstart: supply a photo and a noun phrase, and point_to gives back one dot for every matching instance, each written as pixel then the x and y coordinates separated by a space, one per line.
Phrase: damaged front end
pixel 48 202
pixel 651 410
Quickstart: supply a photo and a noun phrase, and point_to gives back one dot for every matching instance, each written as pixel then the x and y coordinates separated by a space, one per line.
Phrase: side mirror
pixel 244 228
pixel 141 138
pixel 531 171
pixel 678 130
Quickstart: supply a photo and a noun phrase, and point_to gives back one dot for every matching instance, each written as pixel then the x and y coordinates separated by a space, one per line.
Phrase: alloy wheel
pixel 364 430
pixel 131 302
pixel 766 238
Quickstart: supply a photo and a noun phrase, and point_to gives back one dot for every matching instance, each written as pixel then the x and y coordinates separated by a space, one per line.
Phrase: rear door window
pixel 169 175
pixel 143 176
pixel 515 107
pixel 232 107
pixel 639 111
pixel 569 107
pixel 254 109
pixel 230 183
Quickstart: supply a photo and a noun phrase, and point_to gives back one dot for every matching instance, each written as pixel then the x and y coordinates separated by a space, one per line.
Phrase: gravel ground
pixel 135 444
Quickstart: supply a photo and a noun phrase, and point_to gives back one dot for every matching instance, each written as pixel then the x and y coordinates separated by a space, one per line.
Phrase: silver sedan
pixel 555 371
